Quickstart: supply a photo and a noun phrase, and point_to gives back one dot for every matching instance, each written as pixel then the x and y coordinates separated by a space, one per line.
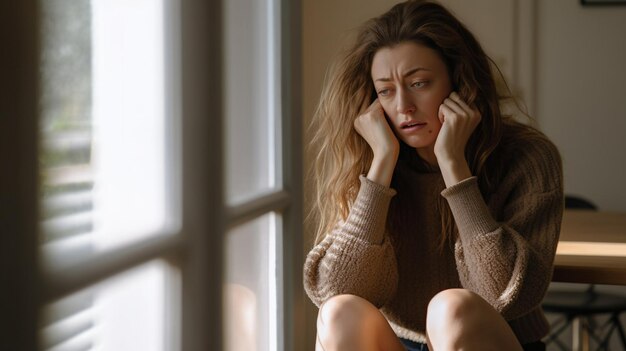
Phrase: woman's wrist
pixel 454 171
pixel 390 150
pixel 382 167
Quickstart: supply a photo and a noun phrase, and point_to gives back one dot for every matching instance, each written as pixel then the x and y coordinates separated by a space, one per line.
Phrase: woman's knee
pixel 459 318
pixel 347 322
pixel 343 309
pixel 453 306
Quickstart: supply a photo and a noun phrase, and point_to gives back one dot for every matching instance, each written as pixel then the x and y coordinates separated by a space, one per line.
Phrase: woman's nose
pixel 404 104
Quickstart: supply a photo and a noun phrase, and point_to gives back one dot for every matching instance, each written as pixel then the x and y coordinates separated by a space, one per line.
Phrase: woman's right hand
pixel 373 127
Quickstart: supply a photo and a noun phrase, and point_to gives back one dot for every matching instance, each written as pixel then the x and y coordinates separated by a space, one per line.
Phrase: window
pixel 168 148
pixel 110 176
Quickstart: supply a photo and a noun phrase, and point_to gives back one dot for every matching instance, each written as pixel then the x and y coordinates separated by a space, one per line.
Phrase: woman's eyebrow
pixel 406 74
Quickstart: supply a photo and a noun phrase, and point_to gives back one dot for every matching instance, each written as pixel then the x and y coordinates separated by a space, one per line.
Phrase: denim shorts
pixel 418 346
pixel 413 346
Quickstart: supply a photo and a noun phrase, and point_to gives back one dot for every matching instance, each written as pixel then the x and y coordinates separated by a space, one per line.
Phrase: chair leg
pixel 580 334
pixel 620 329
pixel 603 344
pixel 602 339
pixel 554 335
pixel 613 324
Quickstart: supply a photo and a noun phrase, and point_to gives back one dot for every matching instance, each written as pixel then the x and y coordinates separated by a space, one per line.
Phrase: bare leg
pixel 459 319
pixel 349 322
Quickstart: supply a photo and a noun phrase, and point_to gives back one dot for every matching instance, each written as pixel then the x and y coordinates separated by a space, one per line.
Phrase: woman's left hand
pixel 458 121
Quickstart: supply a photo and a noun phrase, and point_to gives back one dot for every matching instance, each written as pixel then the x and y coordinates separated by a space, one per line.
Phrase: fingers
pixel 366 117
pixel 373 126
pixel 367 106
pixel 374 105
pixel 373 112
pixel 455 105
pixel 441 114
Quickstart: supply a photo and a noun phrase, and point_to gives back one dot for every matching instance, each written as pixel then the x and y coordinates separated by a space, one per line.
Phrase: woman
pixel 438 215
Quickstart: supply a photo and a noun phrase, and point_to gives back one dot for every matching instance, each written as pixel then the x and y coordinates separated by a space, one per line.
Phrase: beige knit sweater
pixel 504 251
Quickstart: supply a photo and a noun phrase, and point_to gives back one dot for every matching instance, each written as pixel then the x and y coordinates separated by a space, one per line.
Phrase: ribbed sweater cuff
pixel 469 209
pixel 369 212
pixel 531 327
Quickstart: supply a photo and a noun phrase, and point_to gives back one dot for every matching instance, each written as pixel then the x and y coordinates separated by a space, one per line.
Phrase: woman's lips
pixel 412 126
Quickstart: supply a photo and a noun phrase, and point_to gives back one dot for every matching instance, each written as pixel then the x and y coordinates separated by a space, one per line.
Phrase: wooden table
pixel 591 250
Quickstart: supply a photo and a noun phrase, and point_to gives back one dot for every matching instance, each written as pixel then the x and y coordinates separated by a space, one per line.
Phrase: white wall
pixel 581 104
pixel 581 58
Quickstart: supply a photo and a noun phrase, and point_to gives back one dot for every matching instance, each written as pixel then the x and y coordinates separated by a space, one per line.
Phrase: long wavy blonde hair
pixel 342 154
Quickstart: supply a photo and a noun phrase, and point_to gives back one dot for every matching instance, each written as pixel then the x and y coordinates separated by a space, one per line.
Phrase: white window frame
pixel 198 250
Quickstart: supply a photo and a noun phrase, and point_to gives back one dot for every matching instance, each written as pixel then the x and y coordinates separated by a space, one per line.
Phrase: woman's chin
pixel 418 144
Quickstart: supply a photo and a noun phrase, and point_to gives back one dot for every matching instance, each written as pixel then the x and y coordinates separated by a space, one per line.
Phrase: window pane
pixel 132 311
pixel 250 286
pixel 107 124
pixel 251 92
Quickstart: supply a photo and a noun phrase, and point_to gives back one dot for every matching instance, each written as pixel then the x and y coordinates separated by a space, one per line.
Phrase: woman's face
pixel 411 81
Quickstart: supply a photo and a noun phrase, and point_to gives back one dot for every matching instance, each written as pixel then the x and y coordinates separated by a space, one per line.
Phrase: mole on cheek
pixel 430 131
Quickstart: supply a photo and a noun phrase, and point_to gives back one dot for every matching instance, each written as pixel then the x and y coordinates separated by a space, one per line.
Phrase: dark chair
pixel 578 203
pixel 584 305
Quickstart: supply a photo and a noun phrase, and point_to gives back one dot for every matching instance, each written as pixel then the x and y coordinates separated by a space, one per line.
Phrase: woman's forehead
pixel 403 58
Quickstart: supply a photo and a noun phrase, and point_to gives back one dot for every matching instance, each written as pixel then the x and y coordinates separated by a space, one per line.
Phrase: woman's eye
pixel 383 92
pixel 419 84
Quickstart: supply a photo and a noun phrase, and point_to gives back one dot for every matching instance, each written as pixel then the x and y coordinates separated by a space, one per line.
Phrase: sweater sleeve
pixel 356 257
pixel 509 260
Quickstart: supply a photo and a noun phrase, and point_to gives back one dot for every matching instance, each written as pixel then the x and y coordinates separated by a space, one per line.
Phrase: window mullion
pixel 275 201
pixel 63 281
pixel 203 203
pixel 289 237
